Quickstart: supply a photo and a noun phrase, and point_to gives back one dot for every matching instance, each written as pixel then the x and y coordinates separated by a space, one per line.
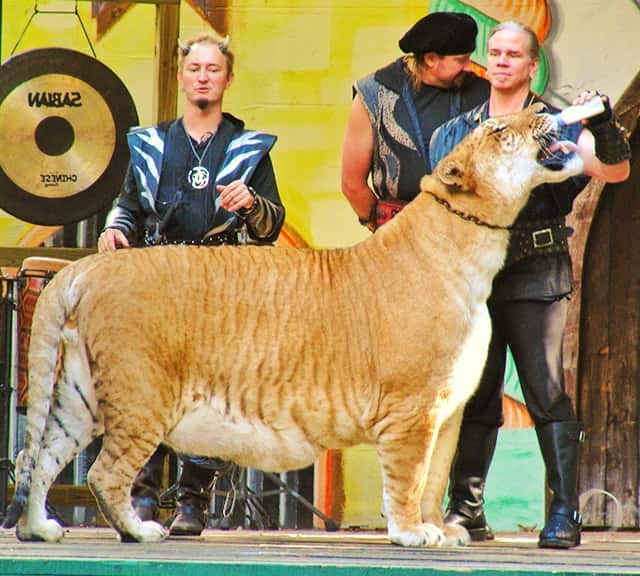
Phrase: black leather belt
pixel 538 238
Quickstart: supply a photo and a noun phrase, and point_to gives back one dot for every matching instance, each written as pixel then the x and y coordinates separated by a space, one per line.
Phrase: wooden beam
pixel 13 256
pixel 165 102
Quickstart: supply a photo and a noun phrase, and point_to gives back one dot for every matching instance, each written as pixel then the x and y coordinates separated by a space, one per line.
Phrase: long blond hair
pixel 414 65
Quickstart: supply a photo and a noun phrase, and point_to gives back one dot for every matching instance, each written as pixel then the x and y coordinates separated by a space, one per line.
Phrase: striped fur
pixel 266 356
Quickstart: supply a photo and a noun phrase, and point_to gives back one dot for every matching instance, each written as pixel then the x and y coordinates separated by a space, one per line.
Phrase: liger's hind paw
pixel 47 531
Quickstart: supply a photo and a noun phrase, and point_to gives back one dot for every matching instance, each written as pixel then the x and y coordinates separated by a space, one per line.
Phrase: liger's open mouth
pixel 554 153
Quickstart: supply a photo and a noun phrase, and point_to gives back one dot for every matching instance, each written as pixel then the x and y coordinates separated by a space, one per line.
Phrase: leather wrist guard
pixel 612 141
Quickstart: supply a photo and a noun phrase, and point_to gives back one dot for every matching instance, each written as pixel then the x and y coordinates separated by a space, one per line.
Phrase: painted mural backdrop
pixel 296 63
pixel 297 60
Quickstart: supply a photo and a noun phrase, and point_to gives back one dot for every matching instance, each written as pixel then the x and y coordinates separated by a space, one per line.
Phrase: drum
pixel 33 276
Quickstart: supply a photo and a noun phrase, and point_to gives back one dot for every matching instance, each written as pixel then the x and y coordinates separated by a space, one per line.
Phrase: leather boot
pixel 559 446
pixel 476 445
pixel 193 500
pixel 145 491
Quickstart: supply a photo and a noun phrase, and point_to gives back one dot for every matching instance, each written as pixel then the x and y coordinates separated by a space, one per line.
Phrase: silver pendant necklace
pixel 198 176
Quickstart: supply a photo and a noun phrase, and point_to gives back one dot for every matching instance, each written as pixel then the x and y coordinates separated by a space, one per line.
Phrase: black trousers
pixel 533 330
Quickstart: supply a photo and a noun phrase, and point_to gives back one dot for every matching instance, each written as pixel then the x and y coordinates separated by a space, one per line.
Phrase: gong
pixel 64 117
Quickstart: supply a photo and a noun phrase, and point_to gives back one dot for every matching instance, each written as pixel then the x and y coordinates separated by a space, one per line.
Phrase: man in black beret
pixel 396 109
pixel 441 32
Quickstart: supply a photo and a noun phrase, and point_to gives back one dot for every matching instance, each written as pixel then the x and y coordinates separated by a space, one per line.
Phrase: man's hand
pixel 235 196
pixel 604 116
pixel 111 239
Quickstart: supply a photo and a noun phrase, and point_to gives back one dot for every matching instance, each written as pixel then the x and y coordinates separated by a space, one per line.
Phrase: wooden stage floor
pixel 96 552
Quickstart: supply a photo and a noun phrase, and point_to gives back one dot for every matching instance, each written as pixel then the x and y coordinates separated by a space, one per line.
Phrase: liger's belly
pixel 246 441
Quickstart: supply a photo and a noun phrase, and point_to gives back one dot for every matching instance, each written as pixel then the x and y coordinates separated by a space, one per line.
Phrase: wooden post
pixel 165 101
pixel 602 363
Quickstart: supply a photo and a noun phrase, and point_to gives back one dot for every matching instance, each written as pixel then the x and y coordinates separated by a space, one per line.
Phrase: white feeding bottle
pixel 579 112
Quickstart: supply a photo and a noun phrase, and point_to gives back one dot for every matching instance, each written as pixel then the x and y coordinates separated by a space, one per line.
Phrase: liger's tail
pixel 54 307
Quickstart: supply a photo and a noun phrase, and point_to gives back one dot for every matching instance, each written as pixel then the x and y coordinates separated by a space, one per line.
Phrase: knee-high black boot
pixel 145 491
pixel 559 446
pixel 193 500
pixel 476 445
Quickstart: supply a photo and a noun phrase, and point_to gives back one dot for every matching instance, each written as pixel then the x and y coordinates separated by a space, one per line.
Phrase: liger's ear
pixel 456 174
pixel 451 172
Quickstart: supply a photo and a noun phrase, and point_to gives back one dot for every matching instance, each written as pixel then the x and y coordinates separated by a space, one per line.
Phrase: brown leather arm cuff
pixel 264 219
pixel 612 142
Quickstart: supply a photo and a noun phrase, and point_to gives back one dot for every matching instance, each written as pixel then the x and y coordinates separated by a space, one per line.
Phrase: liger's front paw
pixel 456 535
pixel 420 535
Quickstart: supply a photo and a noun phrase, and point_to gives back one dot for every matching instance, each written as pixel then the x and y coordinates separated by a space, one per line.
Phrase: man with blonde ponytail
pixel 202 179
pixel 396 109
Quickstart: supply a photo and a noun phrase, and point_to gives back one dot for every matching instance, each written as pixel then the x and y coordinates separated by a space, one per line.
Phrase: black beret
pixel 441 32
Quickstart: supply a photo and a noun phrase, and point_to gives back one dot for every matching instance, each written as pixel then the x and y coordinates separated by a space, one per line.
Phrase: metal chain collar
pixel 465 216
